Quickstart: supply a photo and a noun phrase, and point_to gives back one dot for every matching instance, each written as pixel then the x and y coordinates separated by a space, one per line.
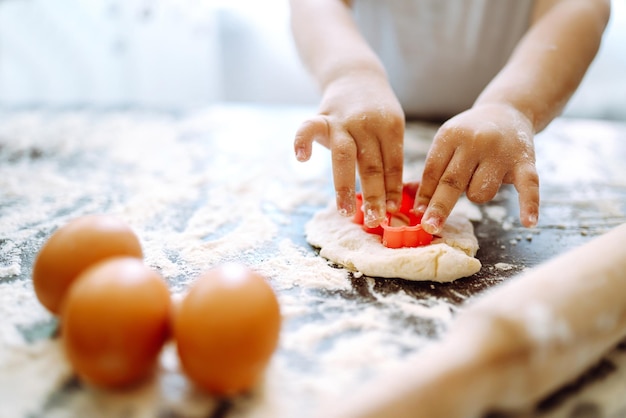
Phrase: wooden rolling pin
pixel 513 345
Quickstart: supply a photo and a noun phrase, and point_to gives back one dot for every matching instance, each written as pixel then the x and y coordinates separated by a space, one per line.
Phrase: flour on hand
pixel 449 257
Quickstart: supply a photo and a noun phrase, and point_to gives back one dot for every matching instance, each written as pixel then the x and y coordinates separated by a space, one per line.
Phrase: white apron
pixel 440 54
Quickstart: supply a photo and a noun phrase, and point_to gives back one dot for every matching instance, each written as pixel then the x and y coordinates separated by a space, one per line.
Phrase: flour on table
pixel 449 257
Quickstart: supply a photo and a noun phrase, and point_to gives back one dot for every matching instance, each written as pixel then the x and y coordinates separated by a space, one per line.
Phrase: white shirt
pixel 440 54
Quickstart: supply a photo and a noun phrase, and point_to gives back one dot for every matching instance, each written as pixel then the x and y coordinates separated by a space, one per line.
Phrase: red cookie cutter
pixel 400 229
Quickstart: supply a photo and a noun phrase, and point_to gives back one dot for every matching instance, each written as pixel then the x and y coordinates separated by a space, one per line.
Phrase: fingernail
pixel 532 220
pixel 392 206
pixel 301 154
pixel 346 204
pixel 431 225
pixel 421 209
pixel 372 216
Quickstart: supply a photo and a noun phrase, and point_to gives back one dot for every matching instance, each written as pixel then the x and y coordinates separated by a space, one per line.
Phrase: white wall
pixel 259 60
pixel 179 53
pixel 603 91
pixel 109 53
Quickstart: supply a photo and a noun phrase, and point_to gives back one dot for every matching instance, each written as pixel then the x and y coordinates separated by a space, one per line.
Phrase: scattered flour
pixel 198 190
pixel 196 196
pixel 504 266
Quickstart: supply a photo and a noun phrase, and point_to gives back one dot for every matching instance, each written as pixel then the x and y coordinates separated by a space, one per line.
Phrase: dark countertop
pixel 216 184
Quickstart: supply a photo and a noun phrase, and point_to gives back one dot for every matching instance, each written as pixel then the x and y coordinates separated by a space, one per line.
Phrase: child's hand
pixel 362 123
pixel 475 152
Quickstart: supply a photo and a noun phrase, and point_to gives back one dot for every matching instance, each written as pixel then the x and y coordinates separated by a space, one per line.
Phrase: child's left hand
pixel 476 152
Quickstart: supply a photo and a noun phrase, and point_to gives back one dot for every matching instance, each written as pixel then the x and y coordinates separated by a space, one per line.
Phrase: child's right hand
pixel 362 123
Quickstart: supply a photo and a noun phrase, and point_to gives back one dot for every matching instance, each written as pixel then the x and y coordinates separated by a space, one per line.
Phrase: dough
pixel 344 242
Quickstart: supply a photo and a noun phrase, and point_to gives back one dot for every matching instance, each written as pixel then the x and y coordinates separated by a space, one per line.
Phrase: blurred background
pixel 178 54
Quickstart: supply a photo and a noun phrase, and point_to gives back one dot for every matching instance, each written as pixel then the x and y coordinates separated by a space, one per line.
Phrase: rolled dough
pixel 449 257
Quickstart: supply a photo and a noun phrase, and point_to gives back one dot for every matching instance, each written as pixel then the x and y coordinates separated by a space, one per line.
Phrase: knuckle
pixel 449 131
pixel 429 175
pixel 423 197
pixel 343 151
pixel 344 190
pixel 481 196
pixel 384 120
pixel 452 182
pixel 355 123
pixel 370 170
pixel 446 130
pixel 529 174
pixel 394 123
pixel 393 171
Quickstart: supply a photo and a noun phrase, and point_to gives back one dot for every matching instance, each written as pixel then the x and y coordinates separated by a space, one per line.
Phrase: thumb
pixel 314 129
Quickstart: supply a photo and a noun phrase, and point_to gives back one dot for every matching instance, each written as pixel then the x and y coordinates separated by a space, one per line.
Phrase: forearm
pixel 329 42
pixel 550 61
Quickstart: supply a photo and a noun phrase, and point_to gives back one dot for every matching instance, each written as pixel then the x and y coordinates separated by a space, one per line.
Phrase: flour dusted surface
pixel 179 182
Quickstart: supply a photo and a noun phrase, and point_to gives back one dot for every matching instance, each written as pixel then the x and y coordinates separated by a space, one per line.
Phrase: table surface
pixel 220 184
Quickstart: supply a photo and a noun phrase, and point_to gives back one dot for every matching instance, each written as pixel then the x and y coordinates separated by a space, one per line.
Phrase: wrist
pixel 355 72
pixel 514 112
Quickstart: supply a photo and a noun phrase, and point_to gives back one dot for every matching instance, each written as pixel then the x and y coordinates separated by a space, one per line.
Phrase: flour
pixel 504 266
pixel 42 364
pixel 197 193
pixel 215 185
pixel 300 268
pixel 19 309
pixel 10 266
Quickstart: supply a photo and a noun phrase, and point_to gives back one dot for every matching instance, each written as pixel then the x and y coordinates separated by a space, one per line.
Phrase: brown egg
pixel 76 246
pixel 226 329
pixel 115 321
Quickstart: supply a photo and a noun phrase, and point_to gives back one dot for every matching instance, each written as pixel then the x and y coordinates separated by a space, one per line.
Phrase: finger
pixel 437 161
pixel 314 129
pixel 393 160
pixel 371 173
pixel 485 183
pixel 526 181
pixel 451 186
pixel 343 155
